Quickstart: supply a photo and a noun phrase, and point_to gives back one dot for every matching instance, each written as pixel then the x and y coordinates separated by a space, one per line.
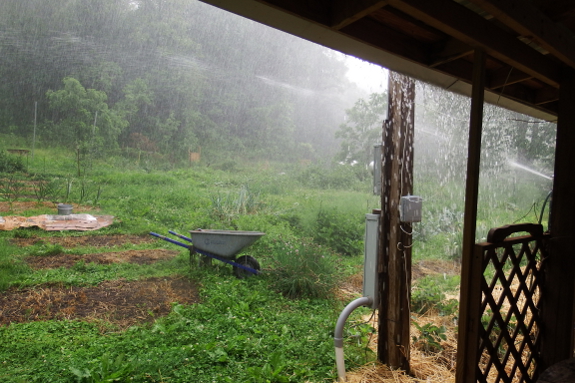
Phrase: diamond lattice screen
pixel 510 310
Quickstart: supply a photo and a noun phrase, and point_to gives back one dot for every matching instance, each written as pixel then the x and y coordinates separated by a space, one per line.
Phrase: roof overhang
pixel 433 41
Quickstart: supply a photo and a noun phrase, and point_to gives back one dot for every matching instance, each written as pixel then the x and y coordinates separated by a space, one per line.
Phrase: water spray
pixel 532 171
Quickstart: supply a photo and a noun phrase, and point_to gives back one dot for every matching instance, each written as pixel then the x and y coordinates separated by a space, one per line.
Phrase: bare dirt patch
pixel 120 302
pixel 434 266
pixel 141 257
pixel 86 240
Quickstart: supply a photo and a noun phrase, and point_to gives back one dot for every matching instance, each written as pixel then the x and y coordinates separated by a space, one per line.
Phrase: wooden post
pixel 557 310
pixel 395 243
pixel 470 295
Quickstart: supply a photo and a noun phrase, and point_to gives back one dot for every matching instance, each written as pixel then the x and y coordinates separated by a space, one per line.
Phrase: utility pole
pixel 395 240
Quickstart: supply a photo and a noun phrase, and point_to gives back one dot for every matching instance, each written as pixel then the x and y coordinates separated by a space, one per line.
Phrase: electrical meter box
pixel 377 169
pixel 410 208
pixel 371 245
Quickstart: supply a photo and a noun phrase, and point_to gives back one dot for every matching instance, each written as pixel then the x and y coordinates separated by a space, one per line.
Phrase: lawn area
pixel 116 304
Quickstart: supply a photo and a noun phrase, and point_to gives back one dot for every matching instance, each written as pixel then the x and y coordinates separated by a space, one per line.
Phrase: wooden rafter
pixel 476 31
pixel 528 21
pixel 345 12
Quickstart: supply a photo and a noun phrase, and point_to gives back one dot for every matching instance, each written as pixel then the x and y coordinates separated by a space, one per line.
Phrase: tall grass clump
pixel 10 163
pixel 343 233
pixel 302 269
pixel 226 206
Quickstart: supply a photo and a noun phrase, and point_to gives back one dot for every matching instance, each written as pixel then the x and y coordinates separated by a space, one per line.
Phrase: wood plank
pixel 408 25
pixel 317 11
pixel 505 76
pixel 557 334
pixel 469 316
pixel 528 21
pixel 476 31
pixel 378 35
pixel 546 95
pixel 450 50
pixel 345 12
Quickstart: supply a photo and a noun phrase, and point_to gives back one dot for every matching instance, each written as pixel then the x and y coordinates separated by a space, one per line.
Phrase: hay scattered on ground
pixel 428 367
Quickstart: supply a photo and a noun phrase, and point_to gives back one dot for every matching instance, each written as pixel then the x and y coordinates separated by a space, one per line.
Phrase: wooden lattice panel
pixel 511 288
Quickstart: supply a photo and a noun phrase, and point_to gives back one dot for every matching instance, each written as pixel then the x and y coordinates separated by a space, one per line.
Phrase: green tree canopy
pixel 362 129
pixel 81 117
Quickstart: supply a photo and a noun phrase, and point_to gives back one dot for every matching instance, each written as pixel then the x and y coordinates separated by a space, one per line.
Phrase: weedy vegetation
pixel 277 327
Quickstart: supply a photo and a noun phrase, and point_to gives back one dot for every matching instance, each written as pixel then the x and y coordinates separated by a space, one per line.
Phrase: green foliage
pixel 11 267
pixel 226 206
pixel 430 337
pixel 339 177
pixel 358 335
pixel 43 249
pixel 428 294
pixel 85 120
pixel 10 163
pixel 12 188
pixel 302 269
pixel 342 233
pixel 271 372
pixel 362 129
pixel 117 370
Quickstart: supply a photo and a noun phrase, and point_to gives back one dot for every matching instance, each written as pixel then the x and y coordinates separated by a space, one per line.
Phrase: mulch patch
pixel 123 303
pixel 86 240
pixel 141 257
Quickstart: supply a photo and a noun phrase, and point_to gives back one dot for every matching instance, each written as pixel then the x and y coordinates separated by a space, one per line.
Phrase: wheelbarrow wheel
pixel 246 260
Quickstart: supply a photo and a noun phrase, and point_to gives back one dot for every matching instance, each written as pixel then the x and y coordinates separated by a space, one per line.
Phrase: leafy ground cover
pixel 119 305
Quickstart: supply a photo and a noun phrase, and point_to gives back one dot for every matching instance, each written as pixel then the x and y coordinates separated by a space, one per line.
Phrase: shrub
pixel 339 231
pixel 302 269
pixel 10 164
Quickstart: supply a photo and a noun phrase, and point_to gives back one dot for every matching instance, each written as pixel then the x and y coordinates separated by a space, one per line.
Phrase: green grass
pixel 273 328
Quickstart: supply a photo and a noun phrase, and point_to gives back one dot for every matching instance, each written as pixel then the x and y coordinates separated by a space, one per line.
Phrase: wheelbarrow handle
pixel 179 235
pixel 169 240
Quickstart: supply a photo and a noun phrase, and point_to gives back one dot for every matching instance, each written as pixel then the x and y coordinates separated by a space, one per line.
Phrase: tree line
pixel 166 77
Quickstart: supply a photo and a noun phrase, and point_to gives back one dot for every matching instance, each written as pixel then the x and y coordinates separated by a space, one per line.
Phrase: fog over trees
pixel 167 77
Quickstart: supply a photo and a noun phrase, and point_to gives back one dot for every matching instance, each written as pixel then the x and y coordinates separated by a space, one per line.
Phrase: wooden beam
pixel 382 37
pixel 345 12
pixel 474 30
pixel 462 69
pixel 557 311
pixel 451 50
pixel 470 295
pixel 546 95
pixel 505 76
pixel 527 20
pixel 316 11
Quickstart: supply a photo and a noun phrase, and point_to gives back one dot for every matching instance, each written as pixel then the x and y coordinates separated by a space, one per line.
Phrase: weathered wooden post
pixel 395 240
pixel 558 308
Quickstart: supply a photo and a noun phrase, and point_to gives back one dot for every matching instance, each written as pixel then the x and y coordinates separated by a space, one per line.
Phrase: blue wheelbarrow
pixel 222 245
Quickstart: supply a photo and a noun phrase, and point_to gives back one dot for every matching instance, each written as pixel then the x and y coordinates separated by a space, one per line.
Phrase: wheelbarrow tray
pixel 225 243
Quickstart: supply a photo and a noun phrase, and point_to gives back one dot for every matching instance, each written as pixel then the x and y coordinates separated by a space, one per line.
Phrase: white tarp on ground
pixel 81 222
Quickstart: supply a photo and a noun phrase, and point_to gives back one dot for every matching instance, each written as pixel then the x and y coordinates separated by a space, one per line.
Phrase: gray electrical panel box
pixel 371 245
pixel 410 208
pixel 377 169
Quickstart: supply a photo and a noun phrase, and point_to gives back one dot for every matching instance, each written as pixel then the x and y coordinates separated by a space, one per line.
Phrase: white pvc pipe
pixel 338 334
pixel 340 363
